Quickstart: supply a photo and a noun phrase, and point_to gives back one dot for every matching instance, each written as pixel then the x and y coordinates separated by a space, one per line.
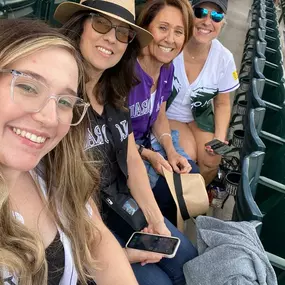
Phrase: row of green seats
pixel 261 193
pixel 269 211
pixel 38 9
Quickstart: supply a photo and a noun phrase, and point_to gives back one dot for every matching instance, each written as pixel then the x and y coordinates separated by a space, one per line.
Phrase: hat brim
pixel 223 7
pixel 67 9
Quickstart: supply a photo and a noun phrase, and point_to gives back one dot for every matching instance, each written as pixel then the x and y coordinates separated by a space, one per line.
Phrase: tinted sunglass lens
pixel 216 16
pixel 132 35
pixel 125 35
pixel 200 12
pixel 101 24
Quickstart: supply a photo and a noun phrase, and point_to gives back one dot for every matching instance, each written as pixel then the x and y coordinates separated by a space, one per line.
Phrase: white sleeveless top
pixel 70 274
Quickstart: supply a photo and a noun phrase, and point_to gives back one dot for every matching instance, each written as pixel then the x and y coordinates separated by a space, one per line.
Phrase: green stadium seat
pixel 17 9
pixel 252 141
pixel 249 208
pixel 245 208
pixel 274 88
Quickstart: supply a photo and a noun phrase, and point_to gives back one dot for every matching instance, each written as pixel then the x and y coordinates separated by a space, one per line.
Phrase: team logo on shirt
pixel 235 75
pixel 97 136
pixel 142 108
pixel 176 87
pixel 202 96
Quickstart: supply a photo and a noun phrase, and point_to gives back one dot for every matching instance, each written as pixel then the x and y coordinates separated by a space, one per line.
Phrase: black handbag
pixel 124 215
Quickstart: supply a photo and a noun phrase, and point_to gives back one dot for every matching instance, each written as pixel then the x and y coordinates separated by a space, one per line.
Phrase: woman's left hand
pixel 157 228
pixel 178 162
pixel 210 151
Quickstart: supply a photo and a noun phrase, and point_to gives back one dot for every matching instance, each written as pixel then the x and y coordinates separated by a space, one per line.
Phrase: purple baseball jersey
pixel 140 99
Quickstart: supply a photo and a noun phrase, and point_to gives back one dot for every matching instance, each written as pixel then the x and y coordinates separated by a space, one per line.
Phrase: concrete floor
pixel 233 33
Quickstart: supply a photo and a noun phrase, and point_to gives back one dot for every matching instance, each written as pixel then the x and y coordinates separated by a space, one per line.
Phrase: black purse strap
pixel 121 154
pixel 179 194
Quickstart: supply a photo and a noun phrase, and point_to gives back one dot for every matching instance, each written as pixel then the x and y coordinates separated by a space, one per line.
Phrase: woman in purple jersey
pixel 170 22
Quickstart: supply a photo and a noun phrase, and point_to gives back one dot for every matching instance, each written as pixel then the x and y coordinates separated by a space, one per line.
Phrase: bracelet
pixel 140 149
pixel 163 135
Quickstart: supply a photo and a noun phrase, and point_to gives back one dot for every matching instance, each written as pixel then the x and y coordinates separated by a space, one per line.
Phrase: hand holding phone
pixel 219 147
pixel 154 243
pixel 143 257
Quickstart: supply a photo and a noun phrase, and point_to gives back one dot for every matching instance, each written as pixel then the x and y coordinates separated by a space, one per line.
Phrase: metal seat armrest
pixel 276 261
pixel 271 184
pixel 271 137
pixel 272 106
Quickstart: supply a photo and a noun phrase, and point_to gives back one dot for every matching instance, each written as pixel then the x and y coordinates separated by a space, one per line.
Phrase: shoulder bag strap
pixel 179 194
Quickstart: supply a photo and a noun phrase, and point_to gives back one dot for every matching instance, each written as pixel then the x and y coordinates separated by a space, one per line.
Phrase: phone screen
pixel 154 243
pixel 219 147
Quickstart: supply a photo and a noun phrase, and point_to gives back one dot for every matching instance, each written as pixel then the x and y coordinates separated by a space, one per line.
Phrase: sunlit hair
pixel 153 7
pixel 69 177
pixel 116 82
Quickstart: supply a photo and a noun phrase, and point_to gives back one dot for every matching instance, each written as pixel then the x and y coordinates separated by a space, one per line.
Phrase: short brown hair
pixel 153 7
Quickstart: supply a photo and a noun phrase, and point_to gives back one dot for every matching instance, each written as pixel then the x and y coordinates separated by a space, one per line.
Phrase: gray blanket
pixel 230 253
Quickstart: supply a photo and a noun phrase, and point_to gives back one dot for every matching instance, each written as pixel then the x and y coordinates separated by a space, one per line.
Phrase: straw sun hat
pixel 123 10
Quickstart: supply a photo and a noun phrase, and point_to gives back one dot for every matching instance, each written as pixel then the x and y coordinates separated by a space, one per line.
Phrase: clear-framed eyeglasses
pixel 32 95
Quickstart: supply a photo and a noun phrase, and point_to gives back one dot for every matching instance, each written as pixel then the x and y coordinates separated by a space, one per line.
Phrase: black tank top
pixel 55 260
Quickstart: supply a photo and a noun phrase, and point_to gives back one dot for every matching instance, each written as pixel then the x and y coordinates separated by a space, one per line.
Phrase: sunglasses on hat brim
pixel 203 12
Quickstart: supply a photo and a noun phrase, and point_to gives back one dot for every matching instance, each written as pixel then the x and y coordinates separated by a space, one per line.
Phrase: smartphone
pixel 219 147
pixel 154 243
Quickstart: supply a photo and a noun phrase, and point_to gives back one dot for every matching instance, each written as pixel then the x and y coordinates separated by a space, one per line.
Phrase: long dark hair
pixel 116 82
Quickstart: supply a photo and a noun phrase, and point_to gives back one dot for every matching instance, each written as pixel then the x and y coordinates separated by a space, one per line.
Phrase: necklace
pixel 202 53
pixel 195 58
pixel 198 58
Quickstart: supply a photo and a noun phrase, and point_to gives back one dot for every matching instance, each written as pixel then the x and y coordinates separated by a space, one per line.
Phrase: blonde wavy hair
pixel 69 176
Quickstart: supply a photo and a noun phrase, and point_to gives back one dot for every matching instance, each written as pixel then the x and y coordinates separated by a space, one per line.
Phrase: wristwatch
pixel 140 149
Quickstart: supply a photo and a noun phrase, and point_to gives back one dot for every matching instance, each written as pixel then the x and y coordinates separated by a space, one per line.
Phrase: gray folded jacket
pixel 230 253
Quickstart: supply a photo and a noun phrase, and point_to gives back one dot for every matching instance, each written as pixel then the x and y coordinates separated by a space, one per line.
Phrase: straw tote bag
pixel 189 193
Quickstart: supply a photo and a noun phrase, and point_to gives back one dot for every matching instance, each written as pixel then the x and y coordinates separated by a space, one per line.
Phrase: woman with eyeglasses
pixel 205 74
pixel 51 231
pixel 109 40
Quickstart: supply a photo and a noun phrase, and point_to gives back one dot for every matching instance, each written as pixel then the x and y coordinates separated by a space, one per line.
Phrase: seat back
pixel 17 8
pixel 261 48
pixel 255 92
pixel 246 208
pixel 252 141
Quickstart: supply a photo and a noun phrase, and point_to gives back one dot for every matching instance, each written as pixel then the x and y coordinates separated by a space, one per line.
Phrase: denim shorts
pixel 156 146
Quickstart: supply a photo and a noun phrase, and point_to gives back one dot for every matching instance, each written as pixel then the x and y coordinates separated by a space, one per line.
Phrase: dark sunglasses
pixel 103 25
pixel 202 13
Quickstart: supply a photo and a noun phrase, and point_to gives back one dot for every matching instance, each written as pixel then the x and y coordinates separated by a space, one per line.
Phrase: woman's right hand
pixel 142 256
pixel 157 161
